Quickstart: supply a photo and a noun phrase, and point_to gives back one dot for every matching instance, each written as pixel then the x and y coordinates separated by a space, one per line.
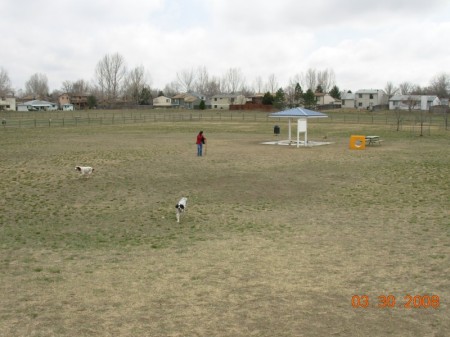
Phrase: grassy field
pixel 276 240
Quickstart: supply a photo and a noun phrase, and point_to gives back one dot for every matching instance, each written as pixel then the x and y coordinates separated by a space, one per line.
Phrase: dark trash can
pixel 276 130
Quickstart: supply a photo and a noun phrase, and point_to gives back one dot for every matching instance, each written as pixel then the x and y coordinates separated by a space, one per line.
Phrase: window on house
pixel 371 96
pixel 215 106
pixel 359 104
pixel 360 95
pixel 215 99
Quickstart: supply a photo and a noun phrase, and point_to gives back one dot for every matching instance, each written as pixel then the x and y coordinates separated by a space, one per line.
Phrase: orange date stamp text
pixel 390 301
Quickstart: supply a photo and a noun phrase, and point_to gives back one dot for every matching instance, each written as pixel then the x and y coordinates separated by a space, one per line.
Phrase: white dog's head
pixel 181 207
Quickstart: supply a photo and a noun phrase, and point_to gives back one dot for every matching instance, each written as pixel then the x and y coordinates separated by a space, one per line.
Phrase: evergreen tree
pixel 298 94
pixel 267 99
pixel 335 93
pixel 309 99
pixel 279 101
pixel 202 105
pixel 145 96
pixel 91 102
pixel 319 89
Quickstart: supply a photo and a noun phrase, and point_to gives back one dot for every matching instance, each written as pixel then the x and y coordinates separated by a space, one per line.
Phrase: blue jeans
pixel 199 150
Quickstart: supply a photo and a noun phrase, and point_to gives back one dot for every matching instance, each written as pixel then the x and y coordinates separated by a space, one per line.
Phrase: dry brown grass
pixel 276 240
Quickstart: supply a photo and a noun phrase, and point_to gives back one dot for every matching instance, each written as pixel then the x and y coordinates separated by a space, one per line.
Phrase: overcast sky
pixel 365 43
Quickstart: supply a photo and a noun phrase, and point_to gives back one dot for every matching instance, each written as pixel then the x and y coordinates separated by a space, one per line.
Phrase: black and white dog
pixel 181 207
pixel 84 170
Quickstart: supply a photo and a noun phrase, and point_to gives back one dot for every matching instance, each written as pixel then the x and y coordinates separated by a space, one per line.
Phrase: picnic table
pixel 372 140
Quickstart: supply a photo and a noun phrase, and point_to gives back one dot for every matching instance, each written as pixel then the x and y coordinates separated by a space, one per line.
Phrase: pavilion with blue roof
pixel 302 115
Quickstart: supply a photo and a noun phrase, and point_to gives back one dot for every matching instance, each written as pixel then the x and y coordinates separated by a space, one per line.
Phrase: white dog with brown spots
pixel 84 170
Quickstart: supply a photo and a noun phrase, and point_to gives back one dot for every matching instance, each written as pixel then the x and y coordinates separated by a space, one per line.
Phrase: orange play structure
pixel 357 142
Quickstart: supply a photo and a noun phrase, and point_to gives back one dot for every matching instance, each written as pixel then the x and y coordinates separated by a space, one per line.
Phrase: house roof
pixel 37 102
pixel 180 96
pixel 347 95
pixel 187 97
pixel 298 112
pixel 226 95
pixel 370 91
pixel 415 97
pixel 191 99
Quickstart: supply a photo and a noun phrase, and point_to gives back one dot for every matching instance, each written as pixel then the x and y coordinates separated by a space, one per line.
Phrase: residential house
pixel 223 101
pixel 187 101
pixel 162 102
pixel 370 98
pixel 37 105
pixel 67 107
pixel 63 99
pixel 8 103
pixel 79 101
pixel 256 98
pixel 326 99
pixel 413 102
pixel 348 100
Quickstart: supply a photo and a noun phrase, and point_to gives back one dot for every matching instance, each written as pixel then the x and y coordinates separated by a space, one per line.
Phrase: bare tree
pixel 67 87
pixel 258 86
pixel 80 87
pixel 201 81
pixel 440 85
pixel 291 91
pixel 77 87
pixel 5 83
pixel 326 79
pixel 186 79
pixel 272 84
pixel 172 89
pixel 213 87
pixel 405 88
pixel 233 80
pixel 246 91
pixel 412 102
pixel 37 86
pixel 110 74
pixel 398 117
pixel 134 83
pixel 310 80
pixel 390 89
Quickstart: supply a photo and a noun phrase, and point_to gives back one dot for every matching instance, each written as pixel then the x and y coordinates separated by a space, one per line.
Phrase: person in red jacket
pixel 200 141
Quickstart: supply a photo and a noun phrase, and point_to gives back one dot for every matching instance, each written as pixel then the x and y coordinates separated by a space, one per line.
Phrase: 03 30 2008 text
pixel 390 301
